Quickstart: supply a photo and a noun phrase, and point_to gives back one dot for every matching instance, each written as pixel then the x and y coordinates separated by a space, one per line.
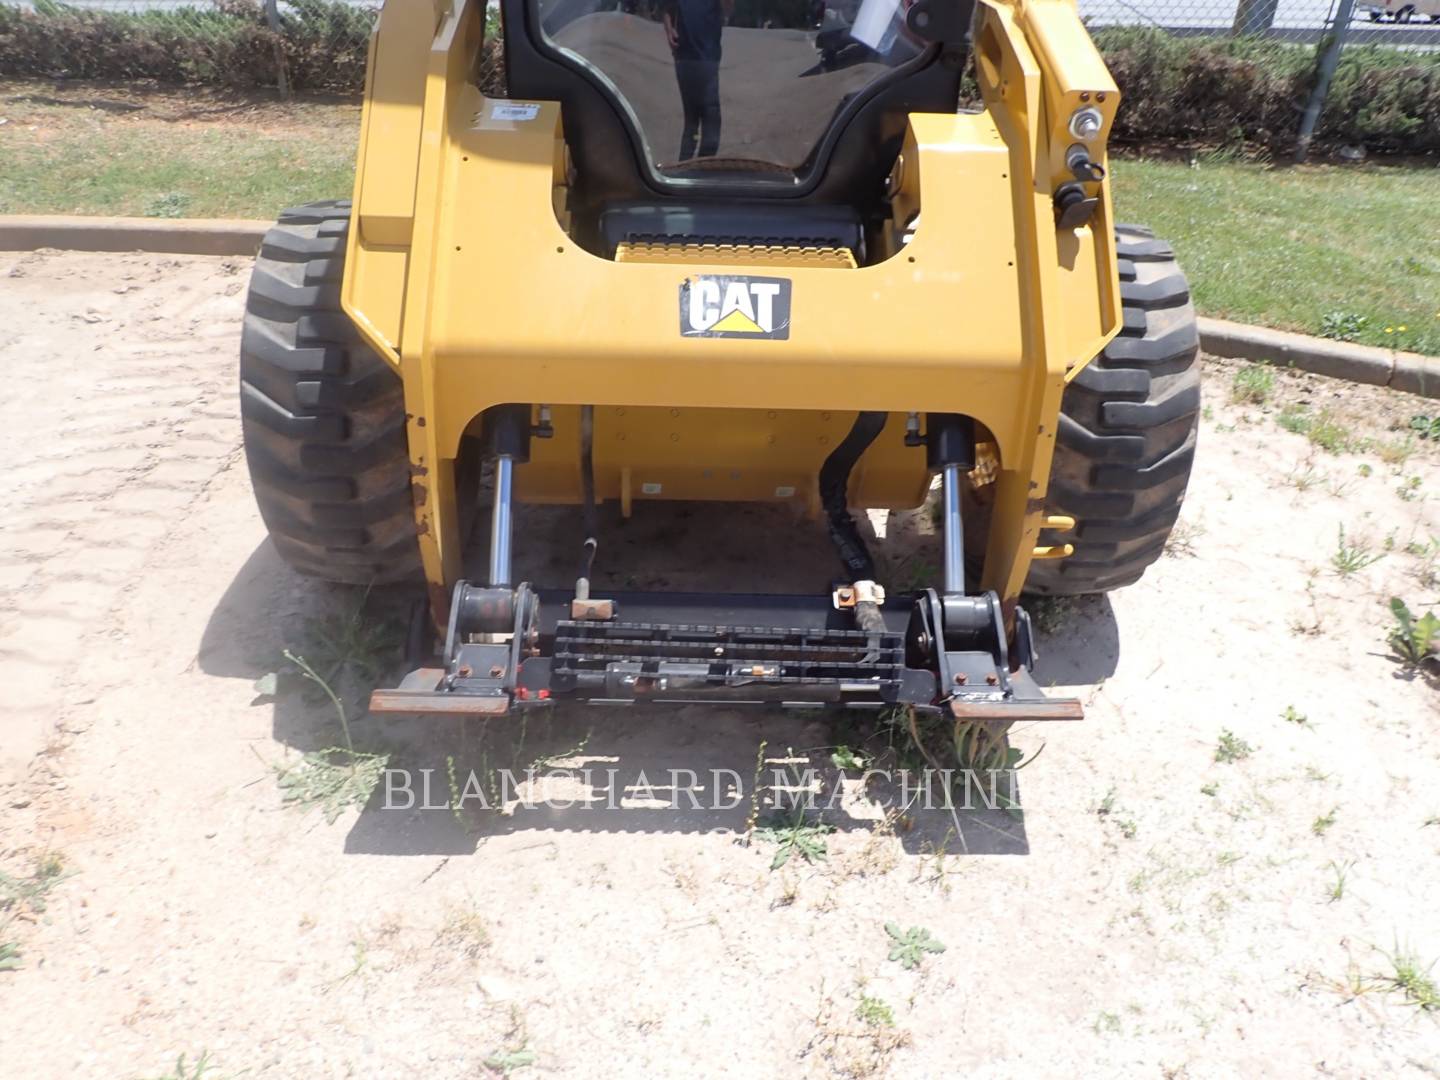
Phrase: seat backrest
pixel 725 100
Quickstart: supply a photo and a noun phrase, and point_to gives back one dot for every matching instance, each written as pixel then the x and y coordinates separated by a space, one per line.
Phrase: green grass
pixel 145 173
pixel 1252 385
pixel 1300 248
pixel 86 149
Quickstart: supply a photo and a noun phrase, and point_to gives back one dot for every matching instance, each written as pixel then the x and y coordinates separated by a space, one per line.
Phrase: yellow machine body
pixel 461 272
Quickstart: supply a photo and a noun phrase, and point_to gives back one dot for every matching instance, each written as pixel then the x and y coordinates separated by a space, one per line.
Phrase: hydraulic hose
pixel 834 491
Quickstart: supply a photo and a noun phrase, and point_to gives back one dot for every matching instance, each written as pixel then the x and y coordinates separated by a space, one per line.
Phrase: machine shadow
pixel 713 547
pixel 697 769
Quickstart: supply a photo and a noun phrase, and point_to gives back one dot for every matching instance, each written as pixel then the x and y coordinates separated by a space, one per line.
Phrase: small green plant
pixel 1409 491
pixel 26 896
pixel 507 1061
pixel 1329 434
pixel 1342 325
pixel 184 1070
pixel 1341 872
pixel 1322 428
pixel 1294 418
pixel 1126 824
pixel 1426 427
pixel 334 778
pixel 752 817
pixel 1396 451
pixel 1413 639
pixel 1365 471
pixel 1414 981
pixel 1428 572
pixel 875 1012
pixel 1295 716
pixel 848 759
pixel 1352 556
pixel 792 835
pixel 1306 478
pixel 1212 789
pixel 1106 1022
pixel 1321 825
pixel 30 893
pixel 1232 748
pixel 1252 385
pixel 910 946
pixel 465 932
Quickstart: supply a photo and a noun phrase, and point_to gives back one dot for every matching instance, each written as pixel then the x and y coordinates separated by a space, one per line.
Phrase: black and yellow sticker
pixel 730 306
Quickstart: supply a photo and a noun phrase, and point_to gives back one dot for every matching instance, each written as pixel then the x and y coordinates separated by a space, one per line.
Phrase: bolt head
pixel 1086 123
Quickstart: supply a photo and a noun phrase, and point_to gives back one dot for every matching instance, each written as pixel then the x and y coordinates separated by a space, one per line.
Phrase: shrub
pixel 1251 89
pixel 323 43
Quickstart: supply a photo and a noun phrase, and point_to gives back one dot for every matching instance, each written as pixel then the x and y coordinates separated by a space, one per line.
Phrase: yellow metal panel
pixel 748 455
pixel 589 330
pixel 981 310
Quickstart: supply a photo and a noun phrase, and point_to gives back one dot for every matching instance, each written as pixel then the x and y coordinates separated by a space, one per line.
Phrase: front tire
pixel 323 414
pixel 1128 424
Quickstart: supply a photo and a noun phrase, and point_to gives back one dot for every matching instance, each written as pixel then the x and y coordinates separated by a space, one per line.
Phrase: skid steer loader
pixel 740 250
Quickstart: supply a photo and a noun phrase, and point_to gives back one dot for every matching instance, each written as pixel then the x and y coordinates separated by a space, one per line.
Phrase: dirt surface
pixel 1153 912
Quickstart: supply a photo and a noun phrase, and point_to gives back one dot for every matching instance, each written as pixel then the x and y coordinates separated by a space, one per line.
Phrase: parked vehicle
pixel 1402 11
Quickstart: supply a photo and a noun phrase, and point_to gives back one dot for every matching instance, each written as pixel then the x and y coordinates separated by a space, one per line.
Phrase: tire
pixel 1128 424
pixel 323 414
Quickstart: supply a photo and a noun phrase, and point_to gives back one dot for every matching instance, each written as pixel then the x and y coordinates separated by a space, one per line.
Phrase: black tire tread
pixel 1127 431
pixel 323 414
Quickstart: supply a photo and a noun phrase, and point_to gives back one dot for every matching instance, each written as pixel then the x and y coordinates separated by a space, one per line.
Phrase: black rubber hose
pixel 834 494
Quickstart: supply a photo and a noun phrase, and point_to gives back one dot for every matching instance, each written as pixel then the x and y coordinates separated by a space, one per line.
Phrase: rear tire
pixel 1128 424
pixel 323 414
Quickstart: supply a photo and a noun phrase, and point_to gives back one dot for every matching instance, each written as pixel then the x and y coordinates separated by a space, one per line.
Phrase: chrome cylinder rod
pixel 954 532
pixel 502 522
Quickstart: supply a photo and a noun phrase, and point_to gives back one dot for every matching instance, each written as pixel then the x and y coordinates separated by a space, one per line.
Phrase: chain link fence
pixel 1217 70
pixel 1407 24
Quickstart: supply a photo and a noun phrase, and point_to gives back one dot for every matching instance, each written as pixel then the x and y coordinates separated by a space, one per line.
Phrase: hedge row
pixel 323 44
pixel 1247 89
pixel 1176 89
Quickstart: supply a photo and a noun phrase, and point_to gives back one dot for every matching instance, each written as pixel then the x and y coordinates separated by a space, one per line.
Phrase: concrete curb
pixel 1410 372
pixel 168 236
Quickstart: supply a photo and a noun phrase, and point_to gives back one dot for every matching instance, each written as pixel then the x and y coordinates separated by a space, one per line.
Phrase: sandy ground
pixel 1153 912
